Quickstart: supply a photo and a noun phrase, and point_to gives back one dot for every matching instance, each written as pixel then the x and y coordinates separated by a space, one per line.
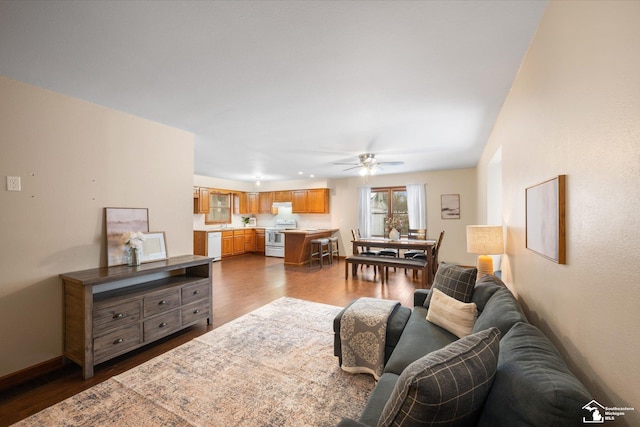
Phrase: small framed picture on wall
pixel 450 206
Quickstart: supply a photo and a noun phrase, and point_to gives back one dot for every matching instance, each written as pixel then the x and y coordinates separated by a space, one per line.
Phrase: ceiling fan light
pixel 363 171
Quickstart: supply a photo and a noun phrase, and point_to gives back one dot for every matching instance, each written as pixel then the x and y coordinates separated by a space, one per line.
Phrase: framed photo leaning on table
pixel 154 247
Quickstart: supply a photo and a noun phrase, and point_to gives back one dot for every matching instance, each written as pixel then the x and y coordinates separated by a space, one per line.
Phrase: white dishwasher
pixel 214 245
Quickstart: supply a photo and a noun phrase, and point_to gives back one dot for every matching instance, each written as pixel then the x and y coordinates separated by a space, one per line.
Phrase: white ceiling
pixel 274 88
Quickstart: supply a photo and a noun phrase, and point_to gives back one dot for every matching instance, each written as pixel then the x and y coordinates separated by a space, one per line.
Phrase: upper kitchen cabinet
pixel 310 201
pixel 200 200
pixel 266 202
pixel 282 196
pixel 219 208
pixel 239 203
pixel 253 204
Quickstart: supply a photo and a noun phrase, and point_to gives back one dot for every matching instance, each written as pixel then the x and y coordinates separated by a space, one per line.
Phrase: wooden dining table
pixel 407 244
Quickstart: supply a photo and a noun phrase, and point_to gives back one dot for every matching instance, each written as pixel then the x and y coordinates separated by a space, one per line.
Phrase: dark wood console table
pixel 112 310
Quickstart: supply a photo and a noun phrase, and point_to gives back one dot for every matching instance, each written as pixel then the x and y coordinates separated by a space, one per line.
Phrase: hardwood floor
pixel 240 285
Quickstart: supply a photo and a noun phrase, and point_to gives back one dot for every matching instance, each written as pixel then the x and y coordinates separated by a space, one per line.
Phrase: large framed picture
pixel 450 206
pixel 154 247
pixel 119 221
pixel 545 219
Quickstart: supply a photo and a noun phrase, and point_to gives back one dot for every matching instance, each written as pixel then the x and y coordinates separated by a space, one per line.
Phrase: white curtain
pixel 417 206
pixel 364 212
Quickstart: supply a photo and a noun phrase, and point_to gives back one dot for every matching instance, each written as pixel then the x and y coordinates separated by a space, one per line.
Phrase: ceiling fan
pixel 368 164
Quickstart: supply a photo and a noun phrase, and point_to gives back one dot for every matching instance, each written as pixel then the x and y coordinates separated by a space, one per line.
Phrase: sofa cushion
pixel 533 386
pixel 447 386
pixel 379 397
pixel 485 287
pixel 455 281
pixel 455 316
pixel 501 310
pixel 418 338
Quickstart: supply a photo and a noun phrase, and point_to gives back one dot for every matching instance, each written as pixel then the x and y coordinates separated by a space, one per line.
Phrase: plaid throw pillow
pixel 455 281
pixel 447 386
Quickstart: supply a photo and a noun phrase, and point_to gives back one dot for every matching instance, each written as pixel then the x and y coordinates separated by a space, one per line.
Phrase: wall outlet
pixel 13 183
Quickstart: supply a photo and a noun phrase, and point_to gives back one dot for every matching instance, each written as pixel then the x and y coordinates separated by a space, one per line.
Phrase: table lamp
pixel 485 240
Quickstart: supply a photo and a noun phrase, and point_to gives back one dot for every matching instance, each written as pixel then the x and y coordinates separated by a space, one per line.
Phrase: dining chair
pixel 415 234
pixel 434 254
pixel 355 232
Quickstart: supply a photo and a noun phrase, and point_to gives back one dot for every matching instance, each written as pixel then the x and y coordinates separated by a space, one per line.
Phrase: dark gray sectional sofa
pixel 531 385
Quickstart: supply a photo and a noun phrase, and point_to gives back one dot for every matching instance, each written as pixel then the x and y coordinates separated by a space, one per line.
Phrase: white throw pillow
pixel 455 316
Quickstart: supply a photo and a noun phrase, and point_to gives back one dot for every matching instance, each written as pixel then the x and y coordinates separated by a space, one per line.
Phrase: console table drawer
pixel 161 302
pixel 113 316
pixel 196 291
pixel 161 325
pixel 195 311
pixel 116 342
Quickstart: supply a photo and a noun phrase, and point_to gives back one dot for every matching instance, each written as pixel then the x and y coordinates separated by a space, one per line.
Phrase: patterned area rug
pixel 271 367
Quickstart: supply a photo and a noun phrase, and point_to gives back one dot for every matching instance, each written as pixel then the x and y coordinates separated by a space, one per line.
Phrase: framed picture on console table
pixel 119 221
pixel 545 219
pixel 154 247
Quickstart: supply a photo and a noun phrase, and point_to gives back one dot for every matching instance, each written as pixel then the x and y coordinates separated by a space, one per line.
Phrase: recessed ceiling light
pixel 311 176
pixel 300 173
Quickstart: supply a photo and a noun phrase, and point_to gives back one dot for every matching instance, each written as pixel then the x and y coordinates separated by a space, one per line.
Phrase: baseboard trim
pixel 30 373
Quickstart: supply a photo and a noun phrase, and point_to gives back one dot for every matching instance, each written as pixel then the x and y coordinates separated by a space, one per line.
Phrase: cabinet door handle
pixel 162 325
pixel 163 302
pixel 119 341
pixel 118 316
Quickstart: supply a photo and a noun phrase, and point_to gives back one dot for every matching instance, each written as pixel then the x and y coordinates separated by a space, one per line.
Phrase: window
pixel 388 202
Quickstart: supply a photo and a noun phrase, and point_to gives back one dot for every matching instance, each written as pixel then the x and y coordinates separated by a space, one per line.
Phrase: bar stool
pixel 320 252
pixel 334 249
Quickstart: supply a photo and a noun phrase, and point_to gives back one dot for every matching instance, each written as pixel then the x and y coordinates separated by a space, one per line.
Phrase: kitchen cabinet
pixel 219 208
pixel 299 201
pixel 266 202
pixel 253 203
pixel 249 240
pixel 318 200
pixel 239 203
pixel 200 200
pixel 310 201
pixel 110 311
pixel 238 242
pixel 260 240
pixel 227 243
pixel 282 196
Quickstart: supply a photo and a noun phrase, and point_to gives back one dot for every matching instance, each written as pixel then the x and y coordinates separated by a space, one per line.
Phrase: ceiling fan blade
pixel 354 167
pixel 346 164
pixel 391 163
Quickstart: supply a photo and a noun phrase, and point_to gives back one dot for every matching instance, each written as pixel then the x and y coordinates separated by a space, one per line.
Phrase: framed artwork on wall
pixel 450 206
pixel 545 219
pixel 118 222
pixel 154 247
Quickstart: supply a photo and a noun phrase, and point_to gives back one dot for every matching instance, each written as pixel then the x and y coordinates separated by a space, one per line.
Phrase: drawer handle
pixel 196 292
pixel 162 325
pixel 118 316
pixel 196 311
pixel 119 341
pixel 163 302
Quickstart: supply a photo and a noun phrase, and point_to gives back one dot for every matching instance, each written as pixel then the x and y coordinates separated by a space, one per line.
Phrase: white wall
pixel 75 158
pixel 574 109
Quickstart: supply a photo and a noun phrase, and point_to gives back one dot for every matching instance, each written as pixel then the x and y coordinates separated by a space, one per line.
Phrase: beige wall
pixel 574 109
pixel 74 158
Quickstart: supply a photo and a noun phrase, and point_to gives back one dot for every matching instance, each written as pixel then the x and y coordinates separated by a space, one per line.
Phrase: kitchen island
pixel 298 241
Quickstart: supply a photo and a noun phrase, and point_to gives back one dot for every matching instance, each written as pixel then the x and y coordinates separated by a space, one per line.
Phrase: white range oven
pixel 274 237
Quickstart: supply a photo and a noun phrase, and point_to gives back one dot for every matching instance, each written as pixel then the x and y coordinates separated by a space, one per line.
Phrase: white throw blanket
pixel 363 331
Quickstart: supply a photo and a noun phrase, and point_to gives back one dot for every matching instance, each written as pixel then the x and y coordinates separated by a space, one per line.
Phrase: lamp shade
pixel 485 239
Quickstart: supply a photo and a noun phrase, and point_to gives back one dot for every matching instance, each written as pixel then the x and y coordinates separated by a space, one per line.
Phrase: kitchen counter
pixel 297 243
